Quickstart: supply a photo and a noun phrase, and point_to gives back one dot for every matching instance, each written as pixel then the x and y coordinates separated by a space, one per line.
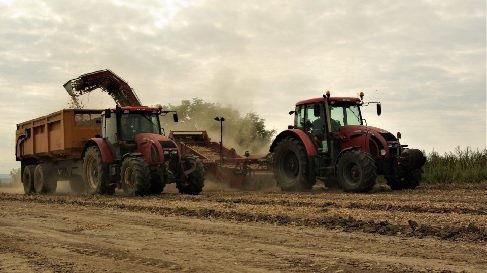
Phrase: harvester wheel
pixel 195 181
pixel 356 171
pixel 28 179
pixel 45 178
pixel 77 184
pixel 291 166
pixel 95 173
pixel 157 183
pixel 135 176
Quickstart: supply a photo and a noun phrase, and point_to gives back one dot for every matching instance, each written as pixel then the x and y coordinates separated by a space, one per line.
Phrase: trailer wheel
pixel 135 176
pixel 28 179
pixel 356 171
pixel 45 178
pixel 195 181
pixel 77 184
pixel 95 173
pixel 157 183
pixel 291 166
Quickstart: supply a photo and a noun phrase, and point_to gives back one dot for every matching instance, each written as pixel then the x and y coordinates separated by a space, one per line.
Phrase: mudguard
pixel 105 150
pixel 311 148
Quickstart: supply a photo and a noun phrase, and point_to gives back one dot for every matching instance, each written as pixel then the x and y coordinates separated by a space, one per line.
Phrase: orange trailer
pixel 61 135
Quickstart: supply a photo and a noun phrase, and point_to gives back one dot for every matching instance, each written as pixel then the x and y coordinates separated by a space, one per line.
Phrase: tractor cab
pixel 122 125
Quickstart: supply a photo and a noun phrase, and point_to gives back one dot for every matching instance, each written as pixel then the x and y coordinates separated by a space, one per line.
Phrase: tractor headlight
pixel 382 152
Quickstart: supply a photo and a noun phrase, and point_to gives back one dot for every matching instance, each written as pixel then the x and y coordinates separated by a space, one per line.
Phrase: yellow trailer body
pixel 58 136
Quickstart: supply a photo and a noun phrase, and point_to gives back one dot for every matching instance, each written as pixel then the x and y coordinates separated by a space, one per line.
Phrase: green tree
pixel 241 133
pixel 15 175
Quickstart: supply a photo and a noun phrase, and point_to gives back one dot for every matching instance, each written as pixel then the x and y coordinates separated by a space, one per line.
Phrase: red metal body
pixel 236 170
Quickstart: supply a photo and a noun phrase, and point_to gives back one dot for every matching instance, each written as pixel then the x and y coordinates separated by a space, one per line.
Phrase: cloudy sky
pixel 425 60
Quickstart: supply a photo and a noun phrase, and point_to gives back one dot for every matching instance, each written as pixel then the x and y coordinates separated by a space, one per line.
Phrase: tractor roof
pixel 337 99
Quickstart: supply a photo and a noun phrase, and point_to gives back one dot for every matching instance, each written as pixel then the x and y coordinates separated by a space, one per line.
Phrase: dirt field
pixel 426 230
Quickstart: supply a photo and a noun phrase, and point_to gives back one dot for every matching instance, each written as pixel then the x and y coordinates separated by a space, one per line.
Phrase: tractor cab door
pixel 110 132
pixel 311 119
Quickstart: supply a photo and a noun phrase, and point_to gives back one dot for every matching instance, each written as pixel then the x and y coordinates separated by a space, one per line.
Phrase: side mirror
pixel 108 113
pixel 175 117
pixel 316 109
pixel 379 109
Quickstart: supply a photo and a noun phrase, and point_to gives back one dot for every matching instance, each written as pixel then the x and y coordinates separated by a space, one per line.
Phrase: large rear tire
pixel 135 176
pixel 194 183
pixel 95 173
pixel 356 171
pixel 45 178
pixel 28 179
pixel 291 166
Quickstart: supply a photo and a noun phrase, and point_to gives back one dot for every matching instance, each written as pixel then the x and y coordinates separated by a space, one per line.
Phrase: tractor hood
pixel 156 148
pixel 354 131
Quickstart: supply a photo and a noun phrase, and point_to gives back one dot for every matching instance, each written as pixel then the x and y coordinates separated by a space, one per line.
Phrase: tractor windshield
pixel 345 114
pixel 133 123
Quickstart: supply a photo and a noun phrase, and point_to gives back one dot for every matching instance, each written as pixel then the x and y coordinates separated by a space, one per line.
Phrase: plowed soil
pixel 430 229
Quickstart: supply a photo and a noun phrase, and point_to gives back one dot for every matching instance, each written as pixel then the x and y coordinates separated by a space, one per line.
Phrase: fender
pixel 311 149
pixel 106 153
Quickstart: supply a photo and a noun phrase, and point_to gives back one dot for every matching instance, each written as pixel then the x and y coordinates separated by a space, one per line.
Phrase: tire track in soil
pixel 36 260
pixel 471 232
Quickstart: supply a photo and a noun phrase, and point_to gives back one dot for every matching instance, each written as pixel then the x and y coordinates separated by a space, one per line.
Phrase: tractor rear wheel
pixel 195 181
pixel 356 171
pixel 45 178
pixel 291 166
pixel 95 173
pixel 135 176
pixel 28 179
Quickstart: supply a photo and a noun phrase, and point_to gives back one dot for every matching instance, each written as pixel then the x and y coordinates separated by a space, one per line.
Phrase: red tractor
pixel 132 152
pixel 330 142
pixel 100 150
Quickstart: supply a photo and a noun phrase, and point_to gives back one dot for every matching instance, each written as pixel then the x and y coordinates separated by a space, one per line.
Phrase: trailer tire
pixel 356 171
pixel 95 172
pixel 135 176
pixel 77 184
pixel 291 166
pixel 194 183
pixel 157 183
pixel 28 179
pixel 45 178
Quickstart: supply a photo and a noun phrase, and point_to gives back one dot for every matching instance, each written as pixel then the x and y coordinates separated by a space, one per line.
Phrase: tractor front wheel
pixel 135 176
pixel 356 171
